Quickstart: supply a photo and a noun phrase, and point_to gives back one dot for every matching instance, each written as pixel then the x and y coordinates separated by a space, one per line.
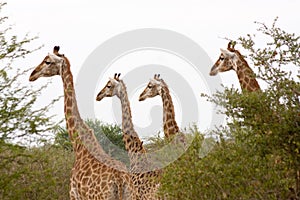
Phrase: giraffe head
pixel 153 88
pixel 112 88
pixel 226 61
pixel 51 65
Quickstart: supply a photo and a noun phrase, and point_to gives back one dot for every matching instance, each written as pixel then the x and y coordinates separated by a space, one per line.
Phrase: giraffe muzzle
pixel 99 97
pixel 141 98
pixel 213 71
pixel 33 76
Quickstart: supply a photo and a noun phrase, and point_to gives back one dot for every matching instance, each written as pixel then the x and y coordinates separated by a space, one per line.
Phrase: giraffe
pixel 232 59
pixel 144 177
pixel 94 175
pixel 158 86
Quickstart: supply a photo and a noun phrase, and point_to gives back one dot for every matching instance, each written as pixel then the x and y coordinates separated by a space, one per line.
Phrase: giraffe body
pixel 95 175
pixel 143 175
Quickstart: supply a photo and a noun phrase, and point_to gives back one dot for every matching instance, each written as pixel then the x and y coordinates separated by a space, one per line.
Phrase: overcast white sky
pixel 81 26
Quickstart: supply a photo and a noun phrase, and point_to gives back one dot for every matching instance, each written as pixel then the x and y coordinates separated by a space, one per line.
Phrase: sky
pixel 80 27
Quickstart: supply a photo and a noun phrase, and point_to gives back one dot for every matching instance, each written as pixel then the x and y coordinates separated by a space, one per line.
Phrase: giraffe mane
pixel 166 88
pixel 239 55
pixel 247 68
pixel 166 91
pixel 125 91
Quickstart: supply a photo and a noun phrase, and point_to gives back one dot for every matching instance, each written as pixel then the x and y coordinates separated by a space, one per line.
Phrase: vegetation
pixel 20 122
pixel 38 173
pixel 18 119
pixel 258 152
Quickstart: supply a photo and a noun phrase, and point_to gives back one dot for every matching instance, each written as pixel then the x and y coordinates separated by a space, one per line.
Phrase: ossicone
pixel 117 76
pixel 156 76
pixel 56 49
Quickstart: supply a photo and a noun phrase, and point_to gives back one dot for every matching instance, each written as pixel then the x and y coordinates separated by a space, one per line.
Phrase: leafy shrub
pixel 43 173
pixel 257 154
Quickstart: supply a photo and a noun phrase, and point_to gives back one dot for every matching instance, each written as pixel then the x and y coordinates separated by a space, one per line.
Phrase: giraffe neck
pixel 133 144
pixel 72 115
pixel 79 133
pixel 169 122
pixel 245 75
pixel 130 137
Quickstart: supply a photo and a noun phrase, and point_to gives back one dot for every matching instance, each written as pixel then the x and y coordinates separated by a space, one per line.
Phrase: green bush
pixel 257 155
pixel 43 173
pixel 20 121
pixel 230 170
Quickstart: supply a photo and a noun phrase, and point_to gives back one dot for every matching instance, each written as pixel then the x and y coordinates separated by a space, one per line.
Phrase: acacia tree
pixel 19 118
pixel 258 154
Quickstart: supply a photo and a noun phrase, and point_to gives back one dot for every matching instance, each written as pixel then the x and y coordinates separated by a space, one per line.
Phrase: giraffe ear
pixel 227 53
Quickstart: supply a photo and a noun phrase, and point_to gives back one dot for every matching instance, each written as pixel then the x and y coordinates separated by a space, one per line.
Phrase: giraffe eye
pixel 109 86
pixel 221 58
pixel 149 86
pixel 47 62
